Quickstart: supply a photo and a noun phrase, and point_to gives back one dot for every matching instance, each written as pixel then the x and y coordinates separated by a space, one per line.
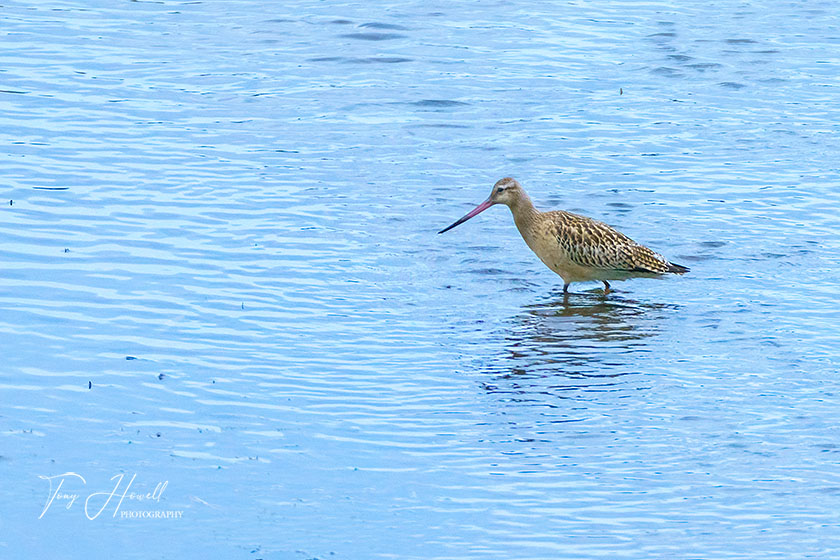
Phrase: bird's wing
pixel 594 244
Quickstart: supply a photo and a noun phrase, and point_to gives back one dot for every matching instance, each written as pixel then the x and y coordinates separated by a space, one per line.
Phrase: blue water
pixel 220 270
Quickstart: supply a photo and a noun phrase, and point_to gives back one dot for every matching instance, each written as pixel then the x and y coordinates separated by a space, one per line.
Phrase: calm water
pixel 220 270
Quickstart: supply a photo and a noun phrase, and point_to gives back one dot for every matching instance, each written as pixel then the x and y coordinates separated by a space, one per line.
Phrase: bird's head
pixel 506 191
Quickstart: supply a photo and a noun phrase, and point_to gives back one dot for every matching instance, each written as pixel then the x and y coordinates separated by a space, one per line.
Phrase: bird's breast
pixel 542 240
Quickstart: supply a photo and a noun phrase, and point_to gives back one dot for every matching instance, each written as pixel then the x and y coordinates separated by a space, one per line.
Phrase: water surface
pixel 221 270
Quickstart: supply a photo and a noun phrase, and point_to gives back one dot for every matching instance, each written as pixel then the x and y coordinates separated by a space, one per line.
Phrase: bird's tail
pixel 677 268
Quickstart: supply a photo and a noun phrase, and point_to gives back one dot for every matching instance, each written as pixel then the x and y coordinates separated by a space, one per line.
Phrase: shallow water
pixel 221 270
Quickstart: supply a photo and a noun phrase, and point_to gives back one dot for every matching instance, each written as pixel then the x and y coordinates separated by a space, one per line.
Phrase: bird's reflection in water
pixel 580 342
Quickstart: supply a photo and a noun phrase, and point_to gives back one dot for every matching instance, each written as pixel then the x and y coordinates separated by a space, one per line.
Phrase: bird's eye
pixel 500 189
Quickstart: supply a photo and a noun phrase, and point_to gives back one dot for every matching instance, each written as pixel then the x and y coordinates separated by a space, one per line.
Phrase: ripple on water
pixel 380 25
pixel 222 271
pixel 369 60
pixel 373 36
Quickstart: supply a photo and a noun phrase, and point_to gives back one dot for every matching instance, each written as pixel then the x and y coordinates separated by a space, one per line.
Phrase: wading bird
pixel 577 248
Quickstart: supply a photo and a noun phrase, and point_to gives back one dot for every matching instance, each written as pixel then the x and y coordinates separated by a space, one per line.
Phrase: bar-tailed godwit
pixel 577 248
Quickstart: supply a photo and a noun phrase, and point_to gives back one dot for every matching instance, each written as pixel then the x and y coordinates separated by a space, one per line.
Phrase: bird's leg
pixel 606 287
pixel 566 287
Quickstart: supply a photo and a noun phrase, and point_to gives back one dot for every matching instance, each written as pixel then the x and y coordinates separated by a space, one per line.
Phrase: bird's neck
pixel 524 214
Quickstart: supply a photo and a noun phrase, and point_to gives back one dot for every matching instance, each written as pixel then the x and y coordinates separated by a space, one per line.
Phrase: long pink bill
pixel 475 212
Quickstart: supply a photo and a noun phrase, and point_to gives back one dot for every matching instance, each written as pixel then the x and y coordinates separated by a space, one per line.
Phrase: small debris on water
pixel 130 358
pixel 90 384
pixel 161 376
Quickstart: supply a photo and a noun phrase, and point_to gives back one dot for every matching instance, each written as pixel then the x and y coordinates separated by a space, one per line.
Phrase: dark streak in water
pixel 380 60
pixel 703 66
pixel 669 72
pixel 371 60
pixel 438 103
pixel 441 125
pixel 373 36
pixel 376 25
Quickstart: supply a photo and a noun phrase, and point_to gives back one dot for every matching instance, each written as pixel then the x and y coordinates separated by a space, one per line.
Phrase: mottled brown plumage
pixel 577 248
